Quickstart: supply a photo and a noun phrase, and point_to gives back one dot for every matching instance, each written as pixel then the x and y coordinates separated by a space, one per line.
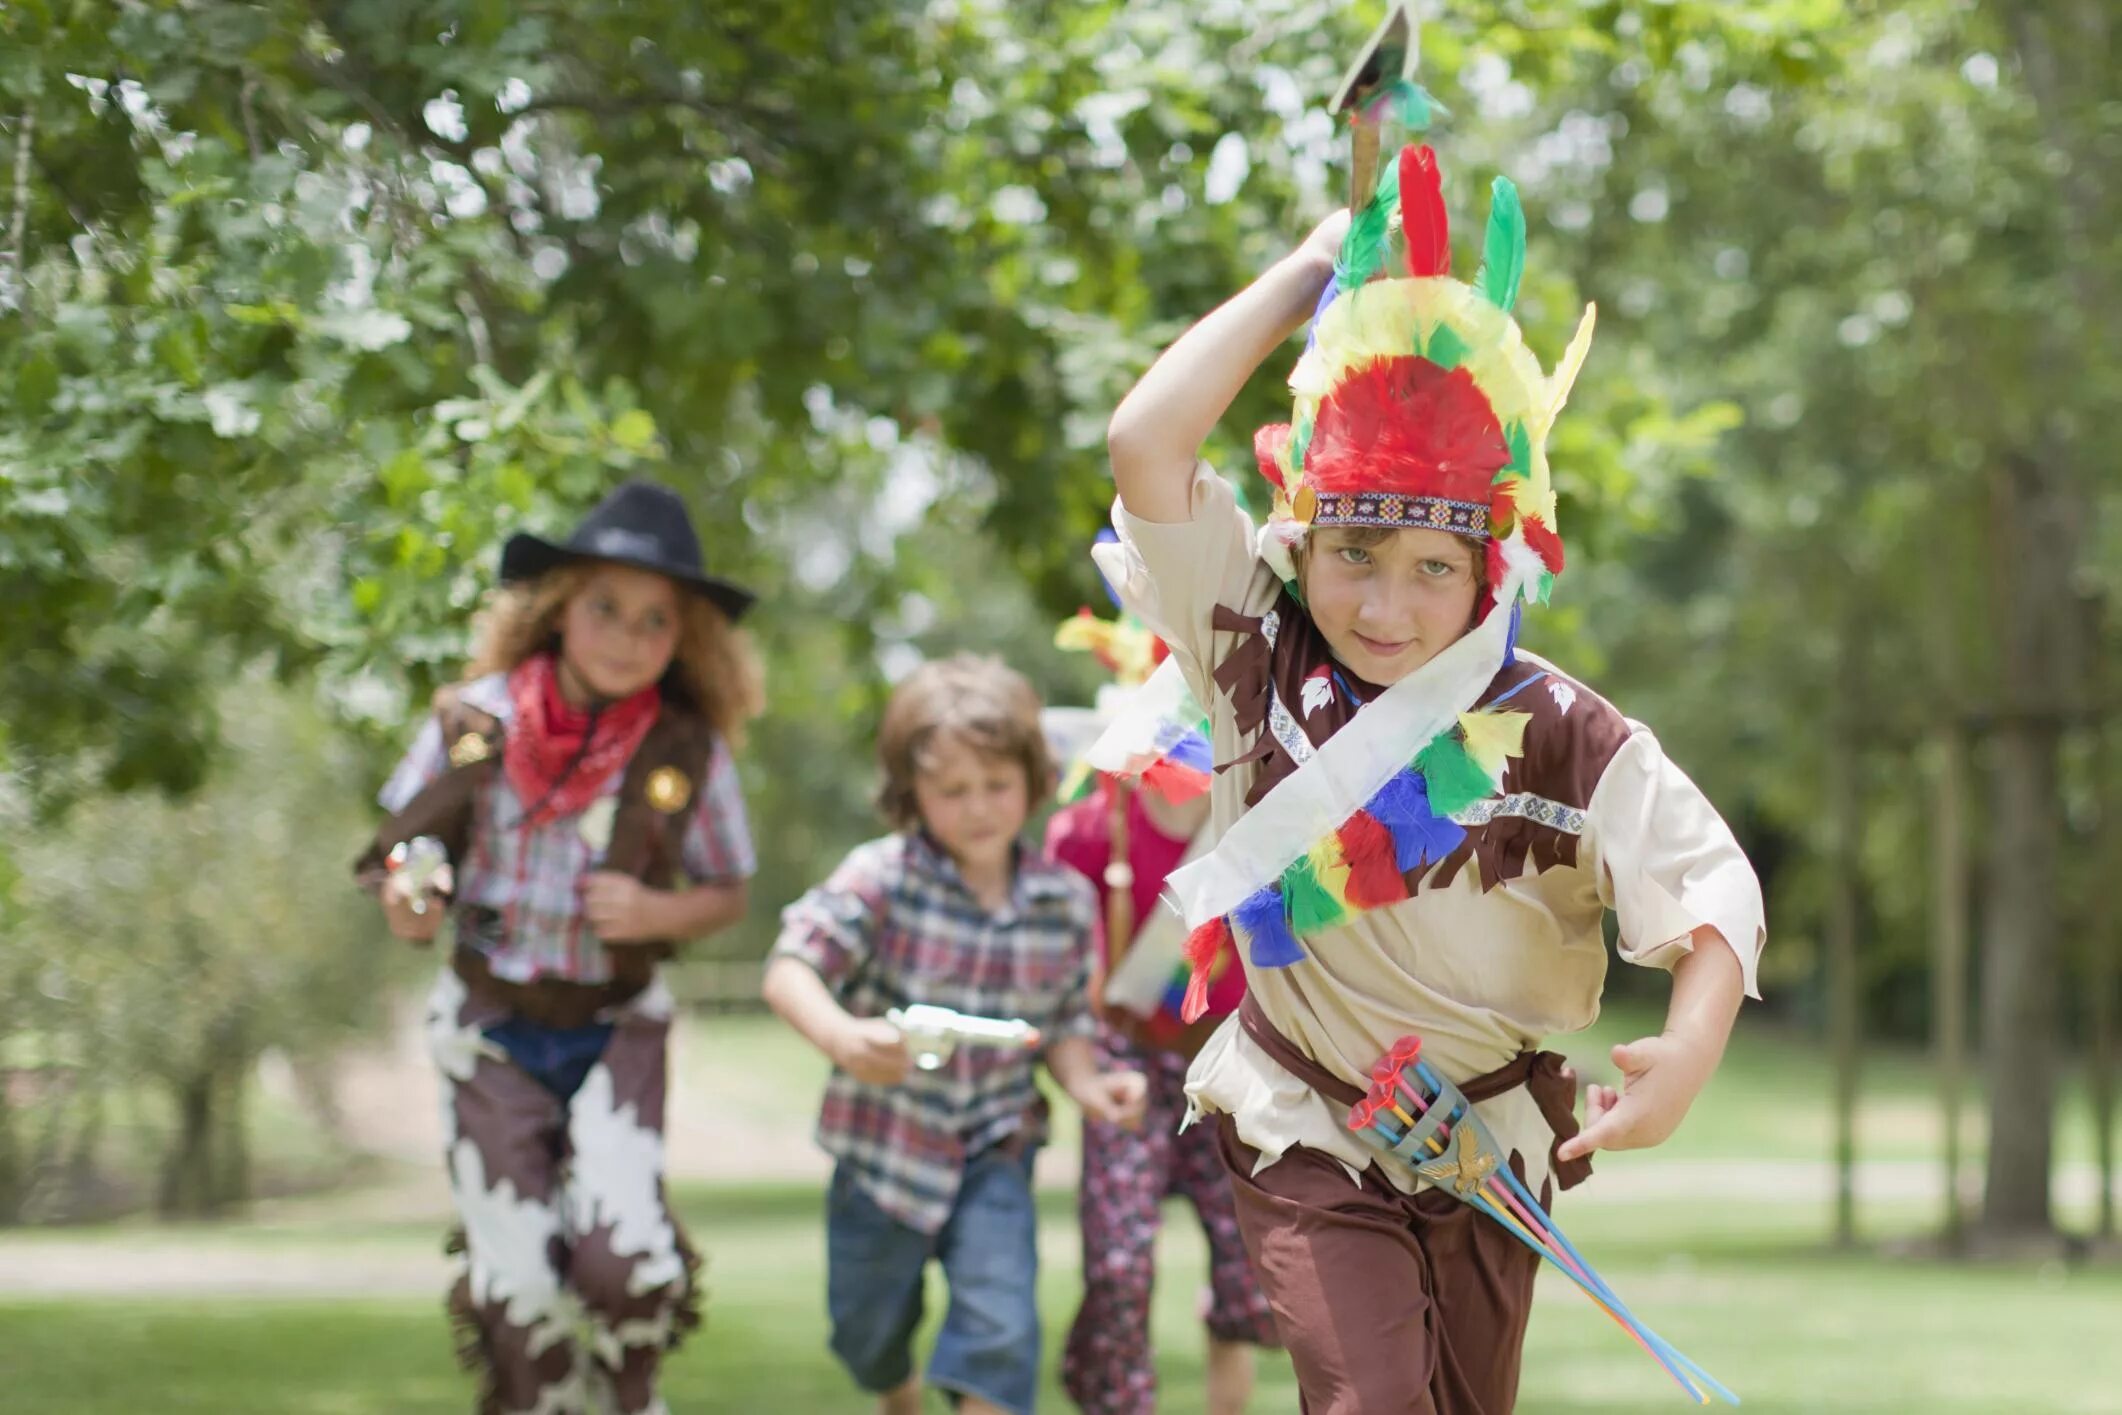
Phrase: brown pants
pixel 1389 1303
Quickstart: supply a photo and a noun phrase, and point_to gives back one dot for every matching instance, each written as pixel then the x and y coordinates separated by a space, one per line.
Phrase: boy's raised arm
pixel 1156 433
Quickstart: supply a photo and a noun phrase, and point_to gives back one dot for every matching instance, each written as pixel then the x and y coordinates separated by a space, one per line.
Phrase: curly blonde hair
pixel 715 671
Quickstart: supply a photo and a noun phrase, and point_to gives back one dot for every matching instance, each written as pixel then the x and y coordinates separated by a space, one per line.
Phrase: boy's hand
pixel 872 1051
pixel 621 908
pixel 398 910
pixel 1661 1076
pixel 1115 1098
pixel 1323 246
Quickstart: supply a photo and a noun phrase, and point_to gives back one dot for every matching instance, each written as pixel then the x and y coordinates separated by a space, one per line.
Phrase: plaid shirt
pixel 519 890
pixel 895 924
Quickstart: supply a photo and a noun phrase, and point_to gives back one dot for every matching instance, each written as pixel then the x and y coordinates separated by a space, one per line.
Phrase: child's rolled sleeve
pixel 1667 864
pixel 1173 575
pixel 425 760
pixel 834 926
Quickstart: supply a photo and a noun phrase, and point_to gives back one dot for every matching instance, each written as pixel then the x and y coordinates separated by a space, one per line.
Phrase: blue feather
pixel 1108 534
pixel 1193 751
pixel 1420 836
pixel 1326 297
pixel 1262 918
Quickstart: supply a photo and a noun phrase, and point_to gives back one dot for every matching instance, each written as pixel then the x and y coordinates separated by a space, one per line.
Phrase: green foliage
pixel 168 944
pixel 306 305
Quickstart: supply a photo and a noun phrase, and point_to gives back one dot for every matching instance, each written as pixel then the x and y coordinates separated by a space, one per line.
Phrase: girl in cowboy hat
pixel 580 779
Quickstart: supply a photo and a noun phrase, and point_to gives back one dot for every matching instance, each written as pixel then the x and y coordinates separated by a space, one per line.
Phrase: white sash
pixel 1369 750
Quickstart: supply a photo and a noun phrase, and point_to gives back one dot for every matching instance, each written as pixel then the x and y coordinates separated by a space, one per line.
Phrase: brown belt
pixel 1540 1072
pixel 549 1002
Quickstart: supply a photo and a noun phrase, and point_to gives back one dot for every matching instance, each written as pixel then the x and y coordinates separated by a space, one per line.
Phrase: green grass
pixel 1772 1097
pixel 1752 1296
pixel 1749 1290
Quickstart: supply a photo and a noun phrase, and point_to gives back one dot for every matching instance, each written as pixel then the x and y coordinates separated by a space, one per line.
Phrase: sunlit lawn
pixel 1748 1290
pixel 1751 1295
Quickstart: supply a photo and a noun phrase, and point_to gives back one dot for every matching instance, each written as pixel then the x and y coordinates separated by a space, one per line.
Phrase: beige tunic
pixel 1480 976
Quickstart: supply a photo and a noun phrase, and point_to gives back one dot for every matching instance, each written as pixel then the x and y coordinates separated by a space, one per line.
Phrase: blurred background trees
pixel 303 306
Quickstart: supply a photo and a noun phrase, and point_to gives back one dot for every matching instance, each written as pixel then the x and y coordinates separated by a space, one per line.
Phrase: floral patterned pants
pixel 1106 1367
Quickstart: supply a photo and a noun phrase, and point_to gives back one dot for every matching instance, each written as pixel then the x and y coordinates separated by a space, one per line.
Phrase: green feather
pixel 1503 254
pixel 1407 103
pixel 1521 448
pixel 1312 910
pixel 1446 348
pixel 1547 585
pixel 1300 441
pixel 1363 248
pixel 1455 779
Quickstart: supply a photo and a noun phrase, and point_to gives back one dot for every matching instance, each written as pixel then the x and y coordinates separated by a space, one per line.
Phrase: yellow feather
pixel 1081 633
pixel 1493 738
pixel 1314 374
pixel 1331 866
pixel 1538 495
pixel 1566 372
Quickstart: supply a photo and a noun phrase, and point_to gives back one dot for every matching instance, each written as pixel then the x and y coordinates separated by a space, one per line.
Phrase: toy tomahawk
pixel 1423 1120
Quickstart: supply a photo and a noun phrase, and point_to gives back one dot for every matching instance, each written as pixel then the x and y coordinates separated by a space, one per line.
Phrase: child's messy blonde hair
pixel 714 672
pixel 980 701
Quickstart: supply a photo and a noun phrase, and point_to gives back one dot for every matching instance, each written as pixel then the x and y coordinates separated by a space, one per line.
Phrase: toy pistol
pixel 933 1033
pixel 418 861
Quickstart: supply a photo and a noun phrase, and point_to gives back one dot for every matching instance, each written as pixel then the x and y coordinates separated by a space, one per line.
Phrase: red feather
pixel 1406 426
pixel 1496 564
pixel 1423 223
pixel 1374 878
pixel 1544 540
pixel 1268 443
pixel 1202 947
pixel 1175 784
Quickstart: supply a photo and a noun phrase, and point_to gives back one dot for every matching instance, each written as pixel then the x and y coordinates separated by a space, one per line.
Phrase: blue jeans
pixel 557 1058
pixel 989 1344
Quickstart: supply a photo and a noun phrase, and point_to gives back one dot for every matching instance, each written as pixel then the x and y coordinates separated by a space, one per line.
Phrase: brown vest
pixel 1568 742
pixel 646 842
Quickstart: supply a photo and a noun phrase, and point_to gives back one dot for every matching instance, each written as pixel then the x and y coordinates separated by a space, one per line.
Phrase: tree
pixel 171 944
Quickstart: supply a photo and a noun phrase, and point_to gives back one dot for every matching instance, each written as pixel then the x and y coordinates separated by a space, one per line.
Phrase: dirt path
pixel 389 1102
pixel 740 1113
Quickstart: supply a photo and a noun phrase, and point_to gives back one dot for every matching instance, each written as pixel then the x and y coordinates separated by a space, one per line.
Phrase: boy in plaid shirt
pixel 950 910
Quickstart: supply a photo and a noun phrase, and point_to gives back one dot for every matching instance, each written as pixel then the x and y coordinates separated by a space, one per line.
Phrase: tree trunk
pixel 1844 992
pixel 1949 966
pixel 231 1150
pixel 2064 51
pixel 2021 999
pixel 2103 942
pixel 10 1164
pixel 80 1171
pixel 187 1168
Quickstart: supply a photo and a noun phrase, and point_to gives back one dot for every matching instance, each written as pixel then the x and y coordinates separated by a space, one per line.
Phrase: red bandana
pixel 556 765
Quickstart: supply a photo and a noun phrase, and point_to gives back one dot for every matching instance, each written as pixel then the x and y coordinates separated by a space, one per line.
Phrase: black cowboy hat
pixel 641 524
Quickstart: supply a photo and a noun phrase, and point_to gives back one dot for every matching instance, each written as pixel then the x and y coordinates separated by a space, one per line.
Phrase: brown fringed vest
pixel 646 842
